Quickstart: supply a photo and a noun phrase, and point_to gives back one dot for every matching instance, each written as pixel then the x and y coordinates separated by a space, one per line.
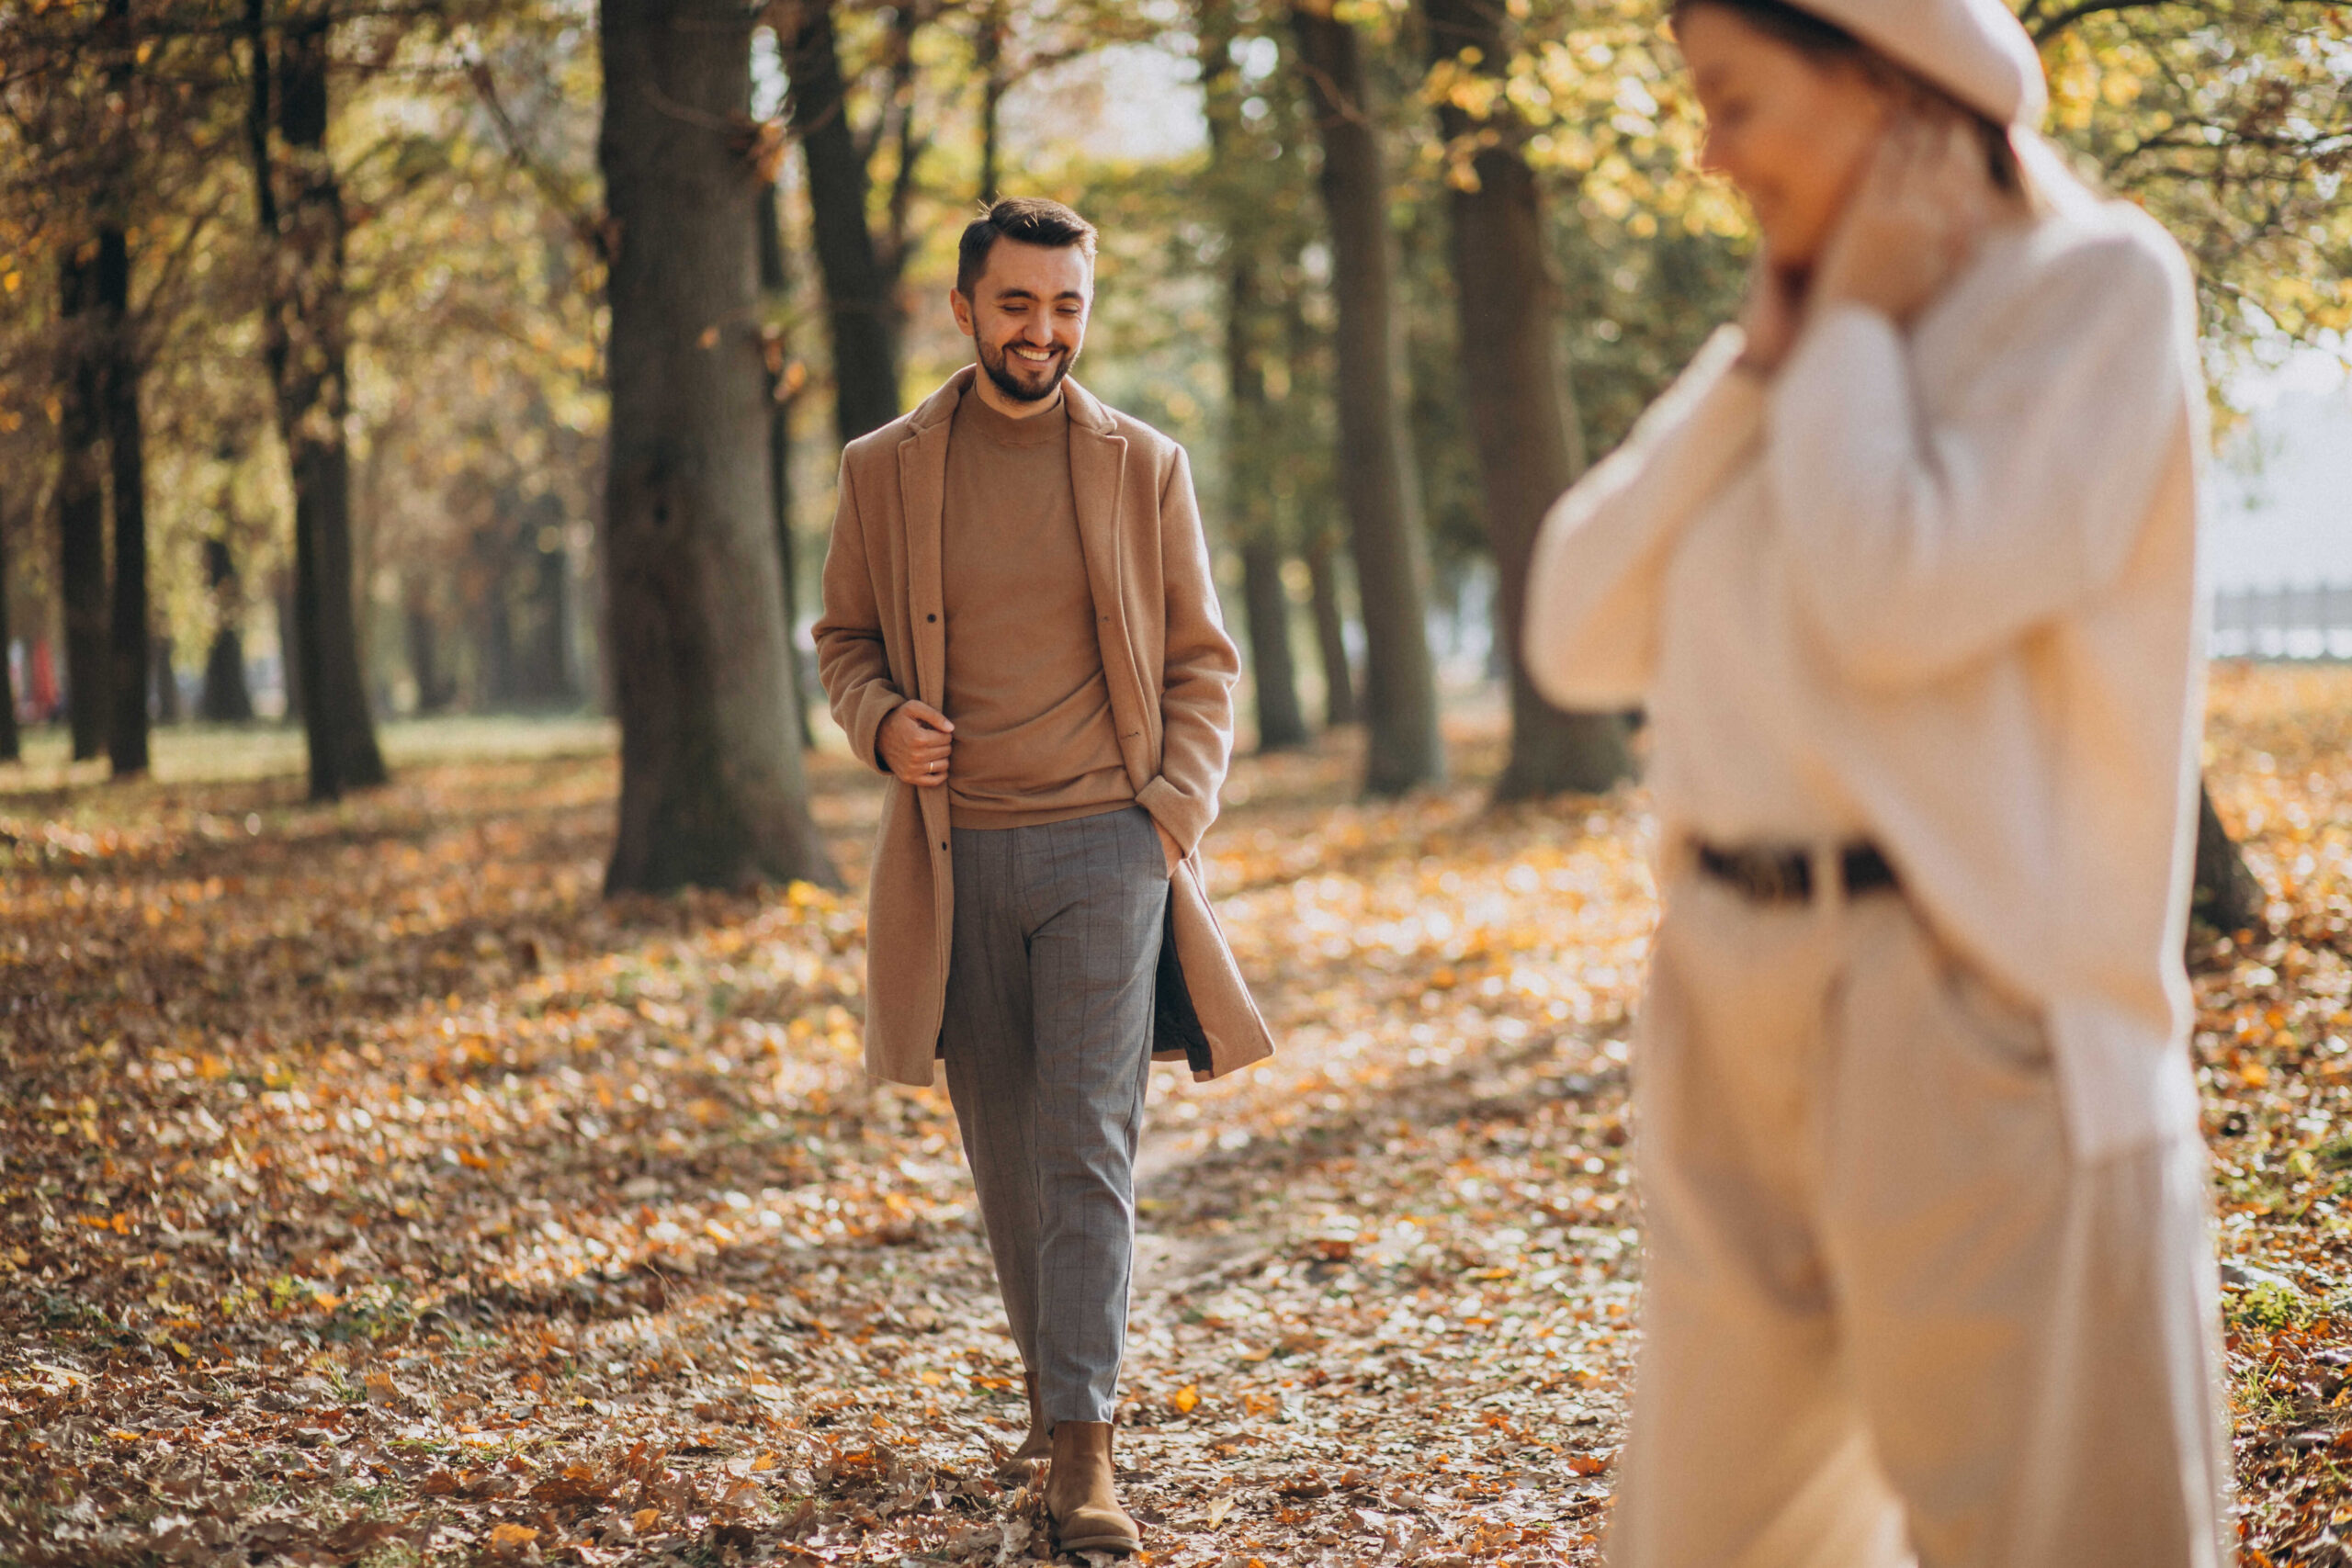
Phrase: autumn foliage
pixel 374 1191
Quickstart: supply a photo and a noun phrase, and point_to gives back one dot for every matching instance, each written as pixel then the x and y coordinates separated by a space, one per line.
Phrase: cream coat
pixel 1983 533
pixel 1169 664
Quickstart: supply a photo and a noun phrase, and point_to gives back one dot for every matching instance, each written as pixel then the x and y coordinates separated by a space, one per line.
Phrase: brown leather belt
pixel 1782 874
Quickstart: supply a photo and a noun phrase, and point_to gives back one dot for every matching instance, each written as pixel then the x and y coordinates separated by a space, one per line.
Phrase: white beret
pixel 1975 49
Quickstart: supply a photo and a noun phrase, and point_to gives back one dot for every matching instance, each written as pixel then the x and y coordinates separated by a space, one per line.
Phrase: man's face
pixel 1027 316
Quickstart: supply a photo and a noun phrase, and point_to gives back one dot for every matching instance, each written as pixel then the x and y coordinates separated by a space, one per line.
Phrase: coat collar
pixel 1086 409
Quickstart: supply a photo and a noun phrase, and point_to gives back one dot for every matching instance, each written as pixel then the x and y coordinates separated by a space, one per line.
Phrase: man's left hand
pixel 1167 847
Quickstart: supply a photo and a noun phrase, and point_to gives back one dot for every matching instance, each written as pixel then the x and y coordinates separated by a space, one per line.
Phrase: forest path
pixel 372 1189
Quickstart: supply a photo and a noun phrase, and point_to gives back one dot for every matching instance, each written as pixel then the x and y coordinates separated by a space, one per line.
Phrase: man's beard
pixel 999 371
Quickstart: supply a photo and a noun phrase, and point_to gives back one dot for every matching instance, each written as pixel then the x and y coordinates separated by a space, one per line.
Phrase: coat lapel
pixel 1098 464
pixel 923 495
pixel 923 491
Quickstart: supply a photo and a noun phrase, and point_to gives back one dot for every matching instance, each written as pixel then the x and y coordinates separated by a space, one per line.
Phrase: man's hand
pixel 914 742
pixel 1167 847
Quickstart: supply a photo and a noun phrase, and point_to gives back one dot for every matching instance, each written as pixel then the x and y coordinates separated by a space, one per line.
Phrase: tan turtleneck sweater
pixel 1033 737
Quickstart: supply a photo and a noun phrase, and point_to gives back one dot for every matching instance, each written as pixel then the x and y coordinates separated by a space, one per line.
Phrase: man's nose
pixel 1039 330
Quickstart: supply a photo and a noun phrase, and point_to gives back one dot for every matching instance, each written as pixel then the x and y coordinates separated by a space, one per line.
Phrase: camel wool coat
pixel 1170 666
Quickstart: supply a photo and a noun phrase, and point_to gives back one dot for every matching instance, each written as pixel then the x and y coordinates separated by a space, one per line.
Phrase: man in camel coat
pixel 1021 629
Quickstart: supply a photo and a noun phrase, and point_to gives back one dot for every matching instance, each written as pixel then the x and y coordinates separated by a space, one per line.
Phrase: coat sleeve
pixel 851 659
pixel 1926 543
pixel 1197 677
pixel 1596 580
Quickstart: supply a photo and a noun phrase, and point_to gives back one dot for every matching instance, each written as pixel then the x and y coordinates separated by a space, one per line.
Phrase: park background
pixel 404 1162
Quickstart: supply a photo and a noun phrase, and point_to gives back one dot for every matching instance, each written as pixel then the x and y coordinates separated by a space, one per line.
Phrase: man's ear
pixel 962 309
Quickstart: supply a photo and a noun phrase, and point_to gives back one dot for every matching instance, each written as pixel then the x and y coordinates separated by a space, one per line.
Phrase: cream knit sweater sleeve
pixel 1928 540
pixel 1594 583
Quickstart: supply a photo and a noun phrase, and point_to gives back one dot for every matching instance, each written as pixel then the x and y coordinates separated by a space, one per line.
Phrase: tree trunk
pixel 1377 489
pixel 131 667
pixel 435 690
pixel 305 339
pixel 1252 518
pixel 1273 675
pixel 289 662
pixel 775 284
pixel 11 743
pixel 712 791
pixel 82 506
pixel 166 679
pixel 1513 387
pixel 861 306
pixel 226 699
pixel 989 26
pixel 1332 632
pixel 132 659
pixel 2225 895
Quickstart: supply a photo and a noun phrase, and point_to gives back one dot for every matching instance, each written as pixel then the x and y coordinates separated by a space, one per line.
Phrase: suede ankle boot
pixel 1081 1497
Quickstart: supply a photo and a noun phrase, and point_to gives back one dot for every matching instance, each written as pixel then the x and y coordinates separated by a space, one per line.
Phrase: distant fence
pixel 2307 621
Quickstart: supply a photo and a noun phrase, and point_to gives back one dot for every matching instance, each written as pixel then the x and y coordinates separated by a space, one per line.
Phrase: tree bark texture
pixel 1252 518
pixel 1377 488
pixel 11 743
pixel 289 662
pixel 1331 633
pixel 991 26
pixel 435 688
pixel 861 295
pixel 712 791
pixel 776 287
pixel 2225 895
pixel 306 338
pixel 1513 388
pixel 131 659
pixel 166 680
pixel 81 503
pixel 226 698
pixel 1273 674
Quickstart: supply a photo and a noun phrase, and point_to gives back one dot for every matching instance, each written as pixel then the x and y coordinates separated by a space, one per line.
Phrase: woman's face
pixel 1790 131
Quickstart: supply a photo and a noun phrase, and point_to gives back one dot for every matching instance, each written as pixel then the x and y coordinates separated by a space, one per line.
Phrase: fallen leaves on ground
pixel 373 1192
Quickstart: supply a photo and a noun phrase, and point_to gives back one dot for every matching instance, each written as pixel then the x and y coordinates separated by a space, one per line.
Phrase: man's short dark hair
pixel 1031 219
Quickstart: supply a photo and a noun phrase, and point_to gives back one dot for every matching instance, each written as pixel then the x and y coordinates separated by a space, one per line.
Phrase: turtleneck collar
pixel 976 415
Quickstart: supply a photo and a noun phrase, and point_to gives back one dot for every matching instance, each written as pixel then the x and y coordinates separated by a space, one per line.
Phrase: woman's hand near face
pixel 1921 205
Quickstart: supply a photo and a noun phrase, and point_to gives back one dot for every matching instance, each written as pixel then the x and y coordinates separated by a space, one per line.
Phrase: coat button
pixel 930 617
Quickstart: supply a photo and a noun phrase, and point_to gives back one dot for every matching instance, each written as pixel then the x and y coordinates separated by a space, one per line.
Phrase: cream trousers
pixel 1887 1319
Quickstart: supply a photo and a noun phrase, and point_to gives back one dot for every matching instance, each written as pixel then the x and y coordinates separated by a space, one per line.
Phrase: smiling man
pixel 1020 630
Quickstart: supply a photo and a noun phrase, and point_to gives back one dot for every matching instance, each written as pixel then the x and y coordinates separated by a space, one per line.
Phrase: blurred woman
pixel 1903 569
